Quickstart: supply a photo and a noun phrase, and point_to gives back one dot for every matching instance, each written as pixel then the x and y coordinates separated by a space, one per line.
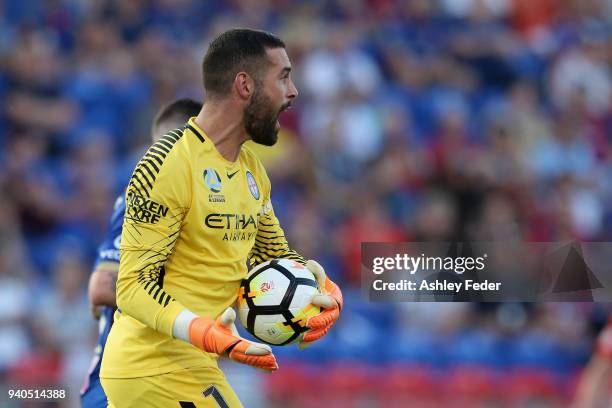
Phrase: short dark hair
pixel 236 50
pixel 178 111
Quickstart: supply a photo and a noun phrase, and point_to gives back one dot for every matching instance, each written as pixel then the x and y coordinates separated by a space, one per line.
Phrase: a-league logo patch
pixel 212 180
pixel 252 185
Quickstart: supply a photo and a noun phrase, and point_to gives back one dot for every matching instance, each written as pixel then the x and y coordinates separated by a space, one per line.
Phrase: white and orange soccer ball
pixel 274 301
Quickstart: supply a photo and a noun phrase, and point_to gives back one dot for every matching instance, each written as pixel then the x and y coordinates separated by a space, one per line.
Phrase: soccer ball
pixel 274 301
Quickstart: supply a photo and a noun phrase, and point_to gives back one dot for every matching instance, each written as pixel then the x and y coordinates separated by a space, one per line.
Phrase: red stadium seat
pixel 523 385
pixel 472 382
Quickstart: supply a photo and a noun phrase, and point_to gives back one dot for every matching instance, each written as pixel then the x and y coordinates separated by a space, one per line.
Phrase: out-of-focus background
pixel 417 120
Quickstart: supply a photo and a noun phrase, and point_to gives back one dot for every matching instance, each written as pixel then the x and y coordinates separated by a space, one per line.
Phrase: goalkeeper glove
pixel 220 336
pixel 329 299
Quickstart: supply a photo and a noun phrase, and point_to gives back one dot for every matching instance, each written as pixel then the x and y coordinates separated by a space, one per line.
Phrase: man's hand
pixel 329 299
pixel 220 336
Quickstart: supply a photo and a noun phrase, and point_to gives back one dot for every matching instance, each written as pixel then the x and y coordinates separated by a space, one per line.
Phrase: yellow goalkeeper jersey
pixel 192 220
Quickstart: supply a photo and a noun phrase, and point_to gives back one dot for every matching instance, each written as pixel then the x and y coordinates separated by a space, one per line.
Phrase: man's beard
pixel 260 119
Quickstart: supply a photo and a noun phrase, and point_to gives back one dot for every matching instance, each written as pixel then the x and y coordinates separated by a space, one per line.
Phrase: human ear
pixel 244 85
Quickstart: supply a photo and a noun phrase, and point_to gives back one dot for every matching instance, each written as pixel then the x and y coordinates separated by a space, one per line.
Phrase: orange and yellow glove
pixel 220 336
pixel 329 299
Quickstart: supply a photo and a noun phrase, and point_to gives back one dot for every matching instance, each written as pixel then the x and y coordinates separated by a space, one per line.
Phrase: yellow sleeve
pixel 157 199
pixel 270 242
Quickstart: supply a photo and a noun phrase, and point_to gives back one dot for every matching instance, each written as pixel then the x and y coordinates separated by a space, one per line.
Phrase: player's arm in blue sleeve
pixel 102 281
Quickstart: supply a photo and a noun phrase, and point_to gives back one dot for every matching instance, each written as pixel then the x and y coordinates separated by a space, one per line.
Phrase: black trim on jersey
pixel 153 156
pixel 160 278
pixel 161 295
pixel 154 150
pixel 164 143
pixel 255 260
pixel 147 170
pixel 144 165
pixel 134 178
pixel 144 176
pixel 151 162
pixel 195 132
pixel 156 291
pixel 294 256
pixel 162 147
pixel 170 137
pixel 267 231
pixel 272 237
pixel 175 133
pixel 269 252
pixel 268 244
pixel 151 277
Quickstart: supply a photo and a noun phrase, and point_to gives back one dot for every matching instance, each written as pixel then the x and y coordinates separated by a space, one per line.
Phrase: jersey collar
pixel 195 129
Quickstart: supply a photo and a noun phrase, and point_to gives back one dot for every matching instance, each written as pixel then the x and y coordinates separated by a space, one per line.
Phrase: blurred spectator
pixel 583 72
pixel 15 295
pixel 64 317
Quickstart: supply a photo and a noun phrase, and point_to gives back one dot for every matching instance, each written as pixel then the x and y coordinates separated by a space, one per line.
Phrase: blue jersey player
pixel 104 276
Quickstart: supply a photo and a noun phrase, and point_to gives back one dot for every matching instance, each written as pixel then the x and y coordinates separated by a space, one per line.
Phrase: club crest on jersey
pixel 252 185
pixel 212 179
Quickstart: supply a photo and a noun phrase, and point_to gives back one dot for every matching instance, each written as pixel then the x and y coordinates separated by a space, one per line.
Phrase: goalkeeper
pixel 104 276
pixel 197 208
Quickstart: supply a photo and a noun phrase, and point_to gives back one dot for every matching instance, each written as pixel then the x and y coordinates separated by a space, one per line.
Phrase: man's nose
pixel 292 91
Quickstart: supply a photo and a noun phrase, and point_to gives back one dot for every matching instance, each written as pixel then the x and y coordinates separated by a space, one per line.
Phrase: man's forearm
pixel 103 285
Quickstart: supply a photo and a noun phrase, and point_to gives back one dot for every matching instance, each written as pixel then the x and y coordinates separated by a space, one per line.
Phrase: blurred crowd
pixel 417 120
